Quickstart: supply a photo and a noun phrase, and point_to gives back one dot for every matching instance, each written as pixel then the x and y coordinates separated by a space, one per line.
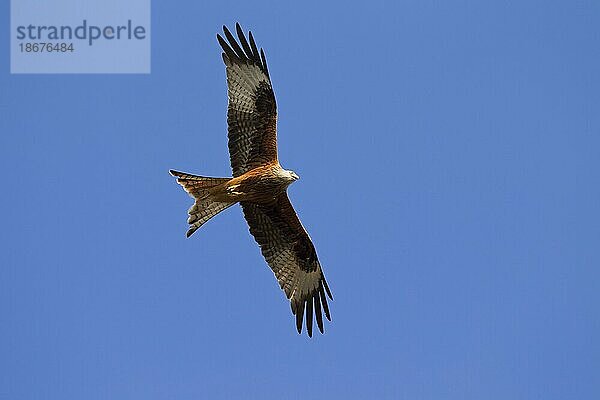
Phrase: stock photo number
pixel 46 47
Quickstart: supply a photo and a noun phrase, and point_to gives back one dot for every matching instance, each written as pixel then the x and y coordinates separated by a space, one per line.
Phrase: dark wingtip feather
pixel 247 52
pixel 309 316
pixel 243 41
pixel 226 48
pixel 299 316
pixel 324 302
pixel 239 29
pixel 226 30
pixel 234 44
pixel 223 44
pixel 255 55
pixel 327 287
pixel 318 314
pixel 264 61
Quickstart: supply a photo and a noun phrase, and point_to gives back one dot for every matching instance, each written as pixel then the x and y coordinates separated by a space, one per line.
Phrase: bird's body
pixel 259 183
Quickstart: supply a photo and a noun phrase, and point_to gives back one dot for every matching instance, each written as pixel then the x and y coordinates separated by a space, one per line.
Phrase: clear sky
pixel 448 155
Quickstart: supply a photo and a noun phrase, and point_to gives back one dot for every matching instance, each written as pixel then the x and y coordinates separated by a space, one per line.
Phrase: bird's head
pixel 293 176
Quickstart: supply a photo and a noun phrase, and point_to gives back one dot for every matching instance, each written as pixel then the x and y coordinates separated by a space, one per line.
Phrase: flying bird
pixel 259 183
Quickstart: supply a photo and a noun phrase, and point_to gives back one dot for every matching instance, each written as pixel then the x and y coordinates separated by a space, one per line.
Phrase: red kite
pixel 260 184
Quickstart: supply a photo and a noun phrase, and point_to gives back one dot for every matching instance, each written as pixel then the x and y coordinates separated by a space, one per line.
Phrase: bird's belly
pixel 255 189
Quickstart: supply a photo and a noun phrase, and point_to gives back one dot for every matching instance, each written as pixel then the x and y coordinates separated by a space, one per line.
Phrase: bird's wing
pixel 252 111
pixel 286 246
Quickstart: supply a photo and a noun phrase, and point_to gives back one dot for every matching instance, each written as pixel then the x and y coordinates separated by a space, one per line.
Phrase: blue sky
pixel 448 154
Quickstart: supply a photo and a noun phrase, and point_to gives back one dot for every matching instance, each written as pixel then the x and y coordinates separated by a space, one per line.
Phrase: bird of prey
pixel 259 183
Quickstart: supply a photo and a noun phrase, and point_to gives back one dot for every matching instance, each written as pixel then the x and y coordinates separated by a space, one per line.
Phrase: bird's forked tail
pixel 205 207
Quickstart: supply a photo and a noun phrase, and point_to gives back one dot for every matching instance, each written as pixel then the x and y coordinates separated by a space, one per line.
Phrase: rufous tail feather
pixel 205 207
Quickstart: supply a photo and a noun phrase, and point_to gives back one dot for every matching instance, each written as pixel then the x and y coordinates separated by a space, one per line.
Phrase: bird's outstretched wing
pixel 286 246
pixel 252 111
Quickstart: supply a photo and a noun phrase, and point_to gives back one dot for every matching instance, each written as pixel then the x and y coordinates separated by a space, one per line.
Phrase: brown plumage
pixel 259 183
